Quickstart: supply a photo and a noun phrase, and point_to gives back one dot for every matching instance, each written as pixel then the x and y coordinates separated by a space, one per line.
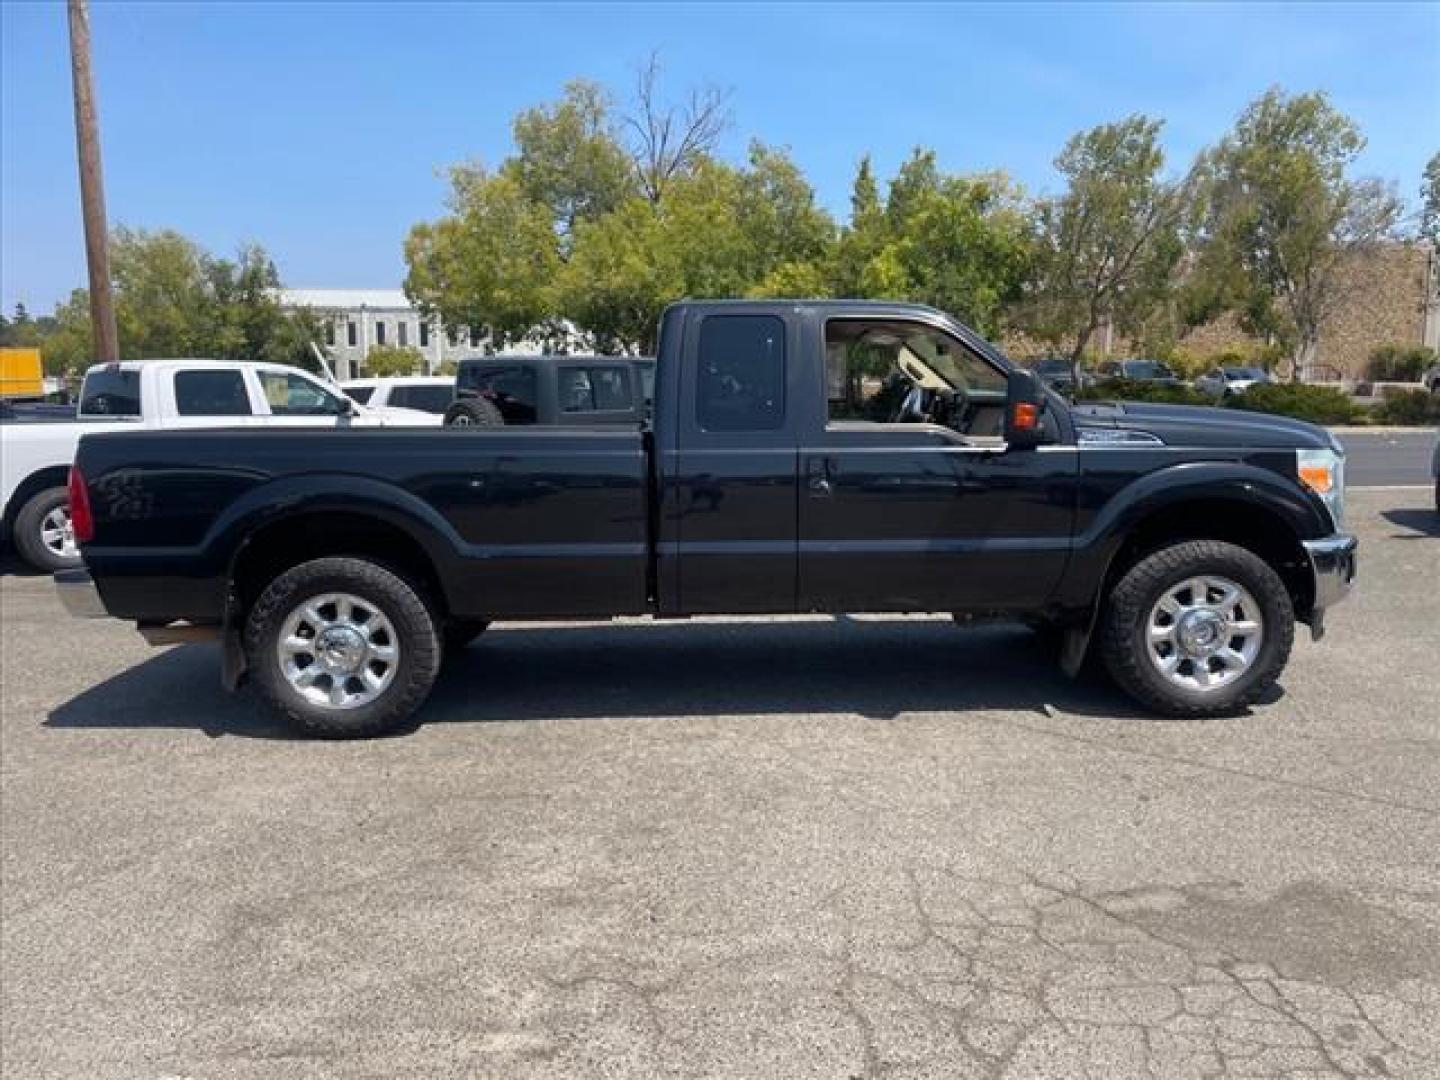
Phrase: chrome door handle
pixel 818 476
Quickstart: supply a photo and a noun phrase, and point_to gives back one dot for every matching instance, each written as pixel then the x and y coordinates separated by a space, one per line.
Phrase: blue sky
pixel 321 130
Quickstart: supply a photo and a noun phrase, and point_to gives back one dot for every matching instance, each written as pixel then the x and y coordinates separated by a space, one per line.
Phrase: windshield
pixel 1053 366
pixel 110 391
pixel 1148 369
pixel 1251 373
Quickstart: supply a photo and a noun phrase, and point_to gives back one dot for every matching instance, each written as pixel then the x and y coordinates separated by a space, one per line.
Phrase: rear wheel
pixel 344 648
pixel 1200 628
pixel 473 412
pixel 43 535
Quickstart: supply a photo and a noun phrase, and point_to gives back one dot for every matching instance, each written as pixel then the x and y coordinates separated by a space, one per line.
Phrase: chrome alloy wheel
pixel 338 651
pixel 1204 633
pixel 58 534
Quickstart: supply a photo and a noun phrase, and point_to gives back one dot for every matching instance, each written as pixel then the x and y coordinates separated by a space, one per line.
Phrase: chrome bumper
pixel 79 595
pixel 1332 562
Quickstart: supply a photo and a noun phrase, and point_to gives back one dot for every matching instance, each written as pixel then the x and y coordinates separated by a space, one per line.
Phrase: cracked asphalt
pixel 749 848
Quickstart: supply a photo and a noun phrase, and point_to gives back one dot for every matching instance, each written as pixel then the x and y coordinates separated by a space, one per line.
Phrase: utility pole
pixel 92 187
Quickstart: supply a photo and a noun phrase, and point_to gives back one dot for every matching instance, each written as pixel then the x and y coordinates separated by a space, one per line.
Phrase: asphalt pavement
pixel 1388 458
pixel 730 848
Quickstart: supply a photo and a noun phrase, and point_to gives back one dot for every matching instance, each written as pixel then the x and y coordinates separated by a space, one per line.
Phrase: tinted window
pixel 111 392
pixel 431 399
pixel 211 393
pixel 295 395
pixel 594 389
pixel 741 373
pixel 511 387
pixel 362 394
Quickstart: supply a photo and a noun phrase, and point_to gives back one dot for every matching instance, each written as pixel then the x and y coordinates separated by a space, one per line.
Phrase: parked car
pixel 154 394
pixel 1221 382
pixel 427 393
pixel 1059 374
pixel 1180 544
pixel 551 390
pixel 1138 371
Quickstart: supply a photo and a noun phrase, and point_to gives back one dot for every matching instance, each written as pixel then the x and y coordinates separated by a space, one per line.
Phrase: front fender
pixel 1200 482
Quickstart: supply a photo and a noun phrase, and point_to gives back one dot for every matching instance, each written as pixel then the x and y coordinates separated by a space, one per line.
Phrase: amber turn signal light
pixel 1025 416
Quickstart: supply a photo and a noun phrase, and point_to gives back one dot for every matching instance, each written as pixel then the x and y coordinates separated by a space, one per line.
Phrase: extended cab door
pixel 727 540
pixel 209 395
pixel 909 499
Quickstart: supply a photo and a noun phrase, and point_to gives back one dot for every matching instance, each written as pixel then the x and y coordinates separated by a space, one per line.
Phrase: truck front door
pixel 909 499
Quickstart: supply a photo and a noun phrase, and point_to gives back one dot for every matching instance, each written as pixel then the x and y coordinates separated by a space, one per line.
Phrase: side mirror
pixel 1024 404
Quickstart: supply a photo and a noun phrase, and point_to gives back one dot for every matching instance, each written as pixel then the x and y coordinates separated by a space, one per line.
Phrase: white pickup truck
pixel 37 454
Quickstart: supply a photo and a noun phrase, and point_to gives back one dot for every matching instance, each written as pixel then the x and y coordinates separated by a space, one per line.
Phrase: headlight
pixel 1323 472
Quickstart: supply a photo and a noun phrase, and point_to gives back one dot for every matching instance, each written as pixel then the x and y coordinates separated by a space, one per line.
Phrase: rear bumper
pixel 1332 562
pixel 78 594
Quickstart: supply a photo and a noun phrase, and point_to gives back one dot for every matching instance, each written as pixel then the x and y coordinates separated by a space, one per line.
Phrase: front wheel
pixel 1199 628
pixel 343 647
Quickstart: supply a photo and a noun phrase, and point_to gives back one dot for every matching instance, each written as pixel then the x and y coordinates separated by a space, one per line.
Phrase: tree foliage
pixel 388 360
pixel 1108 248
pixel 1430 201
pixel 1285 226
pixel 174 299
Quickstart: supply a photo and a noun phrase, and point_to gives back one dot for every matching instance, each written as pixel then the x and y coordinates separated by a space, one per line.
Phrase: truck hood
pixel 1189 425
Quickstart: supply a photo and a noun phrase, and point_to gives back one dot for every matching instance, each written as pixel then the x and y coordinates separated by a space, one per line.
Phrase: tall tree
pixel 956 242
pixel 1430 201
pixel 570 158
pixel 1107 249
pixel 667 139
pixel 489 262
pixel 1286 230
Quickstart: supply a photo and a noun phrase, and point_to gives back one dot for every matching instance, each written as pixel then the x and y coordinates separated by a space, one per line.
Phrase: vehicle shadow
pixel 1422 523
pixel 11 566
pixel 659 670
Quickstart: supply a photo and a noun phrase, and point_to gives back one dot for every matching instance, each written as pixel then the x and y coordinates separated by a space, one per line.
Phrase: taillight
pixel 82 521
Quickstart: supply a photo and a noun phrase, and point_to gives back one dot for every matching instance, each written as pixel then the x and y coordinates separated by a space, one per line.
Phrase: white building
pixel 357 319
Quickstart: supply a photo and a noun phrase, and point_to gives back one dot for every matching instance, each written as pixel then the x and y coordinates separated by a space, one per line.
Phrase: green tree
pixel 570 158
pixel 959 243
pixel 490 261
pixel 384 360
pixel 1430 201
pixel 1285 228
pixel 1107 249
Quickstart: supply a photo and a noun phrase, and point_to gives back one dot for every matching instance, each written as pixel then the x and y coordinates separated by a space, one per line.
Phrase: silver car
pixel 1224 381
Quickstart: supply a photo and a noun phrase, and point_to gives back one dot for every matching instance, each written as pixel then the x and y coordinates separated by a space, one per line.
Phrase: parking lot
pixel 741 848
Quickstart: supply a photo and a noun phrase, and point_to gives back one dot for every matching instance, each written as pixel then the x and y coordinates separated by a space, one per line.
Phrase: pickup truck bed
pixel 835 456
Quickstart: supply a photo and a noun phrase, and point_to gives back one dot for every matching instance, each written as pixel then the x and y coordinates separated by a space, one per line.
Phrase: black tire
pixel 29 542
pixel 461 632
pixel 1124 645
pixel 473 412
pixel 415 631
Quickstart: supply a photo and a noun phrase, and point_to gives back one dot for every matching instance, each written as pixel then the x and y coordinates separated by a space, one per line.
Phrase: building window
pixel 380 332
pixel 402 333
pixel 454 337
pixel 329 333
pixel 474 337
pixel 424 334
pixel 350 334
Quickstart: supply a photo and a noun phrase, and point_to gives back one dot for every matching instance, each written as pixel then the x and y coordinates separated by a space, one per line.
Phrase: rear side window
pixel 362 394
pixel 511 387
pixel 111 392
pixel 431 399
pixel 601 388
pixel 741 381
pixel 211 393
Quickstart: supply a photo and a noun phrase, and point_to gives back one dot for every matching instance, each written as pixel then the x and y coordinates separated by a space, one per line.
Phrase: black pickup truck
pixel 830 456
